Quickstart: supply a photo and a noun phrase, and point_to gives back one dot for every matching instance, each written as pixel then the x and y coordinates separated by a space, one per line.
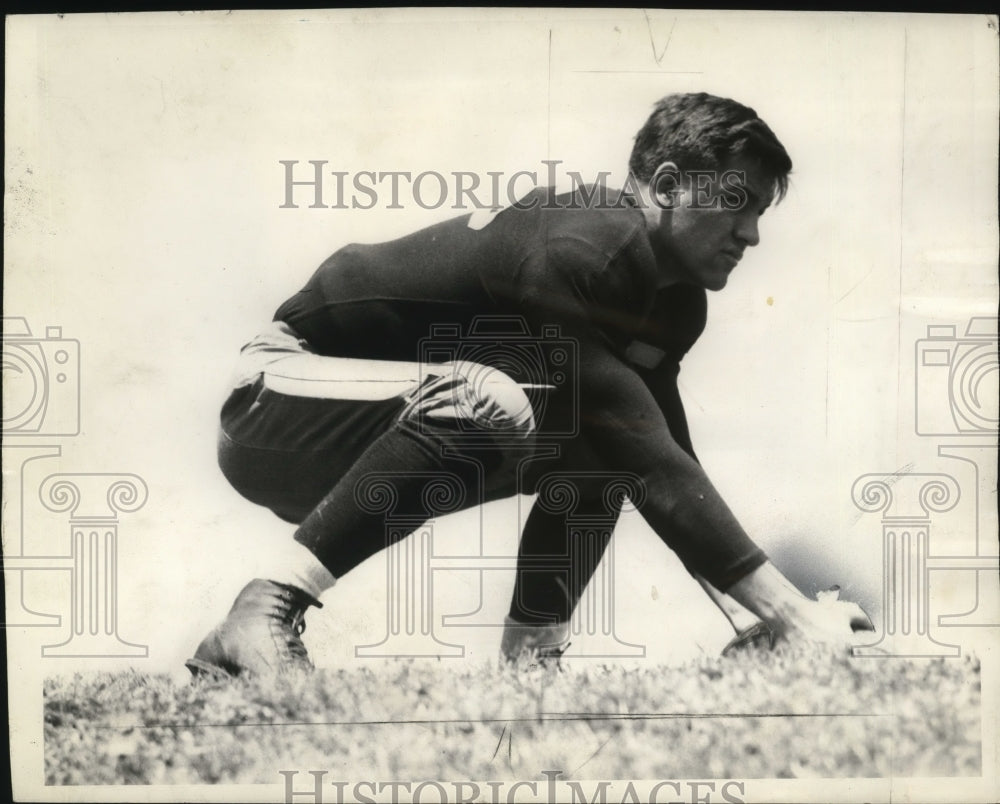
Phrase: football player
pixel 334 414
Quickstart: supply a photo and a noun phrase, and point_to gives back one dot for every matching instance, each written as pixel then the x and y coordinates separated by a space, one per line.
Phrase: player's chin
pixel 717 275
pixel 716 280
pixel 711 275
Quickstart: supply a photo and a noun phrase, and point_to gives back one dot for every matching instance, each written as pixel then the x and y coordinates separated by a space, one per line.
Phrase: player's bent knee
pixel 473 398
pixel 499 404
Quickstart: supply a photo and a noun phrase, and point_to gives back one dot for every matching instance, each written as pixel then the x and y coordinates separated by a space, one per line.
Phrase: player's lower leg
pixel 261 634
pixel 555 562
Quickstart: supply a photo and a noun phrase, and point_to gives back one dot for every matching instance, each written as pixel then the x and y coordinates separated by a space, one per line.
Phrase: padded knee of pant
pixel 475 398
pixel 498 402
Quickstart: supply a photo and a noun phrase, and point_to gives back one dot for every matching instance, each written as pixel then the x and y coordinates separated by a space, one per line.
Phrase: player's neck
pixel 652 213
pixel 644 201
pixel 666 273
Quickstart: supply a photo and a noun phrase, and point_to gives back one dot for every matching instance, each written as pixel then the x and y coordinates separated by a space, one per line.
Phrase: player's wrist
pixel 771 596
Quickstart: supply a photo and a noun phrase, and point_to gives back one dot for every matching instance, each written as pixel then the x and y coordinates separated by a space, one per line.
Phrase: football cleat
pixel 527 645
pixel 261 635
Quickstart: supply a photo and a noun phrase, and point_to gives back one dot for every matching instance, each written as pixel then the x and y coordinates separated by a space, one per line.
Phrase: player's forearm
pixel 739 617
pixel 629 432
pixel 680 503
pixel 689 514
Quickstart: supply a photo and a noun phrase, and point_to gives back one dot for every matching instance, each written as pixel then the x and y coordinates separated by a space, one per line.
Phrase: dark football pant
pixel 338 467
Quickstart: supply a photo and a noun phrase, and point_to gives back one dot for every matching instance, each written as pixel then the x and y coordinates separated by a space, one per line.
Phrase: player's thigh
pixel 286 452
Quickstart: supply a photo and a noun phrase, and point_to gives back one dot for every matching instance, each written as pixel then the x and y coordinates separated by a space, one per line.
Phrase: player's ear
pixel 665 185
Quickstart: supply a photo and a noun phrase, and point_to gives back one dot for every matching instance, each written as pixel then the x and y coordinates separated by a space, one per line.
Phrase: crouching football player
pixel 334 393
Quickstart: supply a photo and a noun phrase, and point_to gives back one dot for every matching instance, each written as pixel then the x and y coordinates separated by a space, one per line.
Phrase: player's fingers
pixel 857 618
pixel 860 621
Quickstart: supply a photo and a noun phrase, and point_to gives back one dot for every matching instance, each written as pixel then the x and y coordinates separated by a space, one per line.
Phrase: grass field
pixel 777 715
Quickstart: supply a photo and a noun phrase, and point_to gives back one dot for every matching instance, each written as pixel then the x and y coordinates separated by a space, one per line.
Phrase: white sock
pixel 527 638
pixel 298 566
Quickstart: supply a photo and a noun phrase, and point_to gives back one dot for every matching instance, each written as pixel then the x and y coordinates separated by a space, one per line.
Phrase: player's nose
pixel 747 231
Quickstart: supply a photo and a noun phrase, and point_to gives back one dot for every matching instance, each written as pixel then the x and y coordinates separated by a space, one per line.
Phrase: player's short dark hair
pixel 698 131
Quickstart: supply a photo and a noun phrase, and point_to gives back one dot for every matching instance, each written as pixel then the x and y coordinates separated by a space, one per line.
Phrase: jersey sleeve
pixel 671 328
pixel 587 295
pixel 662 384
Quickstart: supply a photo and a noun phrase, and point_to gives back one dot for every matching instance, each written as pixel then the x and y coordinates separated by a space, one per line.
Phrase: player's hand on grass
pixel 826 621
pixel 796 619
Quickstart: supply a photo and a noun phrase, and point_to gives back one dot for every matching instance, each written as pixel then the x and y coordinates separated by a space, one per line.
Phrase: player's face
pixel 712 220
